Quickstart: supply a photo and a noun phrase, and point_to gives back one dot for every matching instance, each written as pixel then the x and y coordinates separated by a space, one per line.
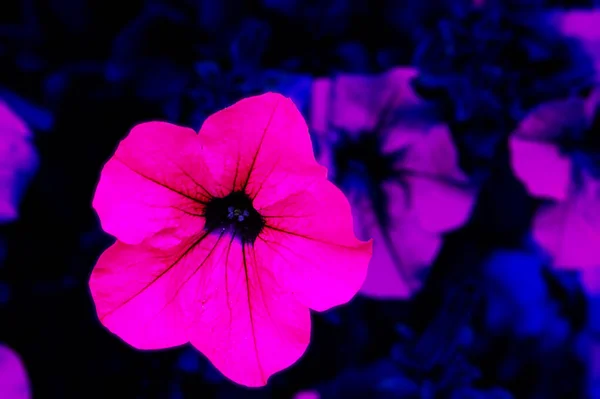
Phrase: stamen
pixel 234 213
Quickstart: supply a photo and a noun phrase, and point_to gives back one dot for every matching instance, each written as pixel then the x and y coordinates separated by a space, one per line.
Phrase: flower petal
pixel 440 206
pixel 255 140
pixel 570 231
pixel 14 383
pixel 243 320
pixel 433 154
pixel 583 26
pixel 355 103
pixel 18 163
pixel 402 250
pixel 11 123
pixel 136 290
pixel 439 193
pixel 590 280
pixel 540 166
pixel 156 180
pixel 551 120
pixel 315 252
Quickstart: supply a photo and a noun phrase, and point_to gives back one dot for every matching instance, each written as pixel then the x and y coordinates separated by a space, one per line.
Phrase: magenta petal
pixel 315 252
pixel 255 141
pixel 18 162
pixel 540 166
pixel 401 252
pixel 11 123
pixel 307 395
pixel 590 280
pixel 570 231
pixel 550 120
pixel 439 194
pixel 355 103
pixel 244 321
pixel 14 383
pixel 535 157
pixel 440 206
pixel 583 26
pixel 136 290
pixel 320 105
pixel 155 181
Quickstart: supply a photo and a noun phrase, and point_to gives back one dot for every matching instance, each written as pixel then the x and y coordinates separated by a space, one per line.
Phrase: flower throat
pixel 235 214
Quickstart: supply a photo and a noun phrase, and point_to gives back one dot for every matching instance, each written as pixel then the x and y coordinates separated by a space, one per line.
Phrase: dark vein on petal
pixel 290 249
pixel 159 183
pixel 227 279
pixel 258 362
pixel 170 301
pixel 237 168
pixel 381 219
pixel 395 257
pixel 161 274
pixel 206 192
pixel 385 114
pixel 262 291
pixel 431 176
pixel 195 270
pixel 537 140
pixel 287 216
pixel 253 197
pixel 292 233
pixel 176 208
pixel 260 143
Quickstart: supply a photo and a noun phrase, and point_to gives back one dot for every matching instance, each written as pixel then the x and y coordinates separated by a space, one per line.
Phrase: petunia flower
pixel 399 170
pixel 225 239
pixel 556 154
pixel 18 162
pixel 14 383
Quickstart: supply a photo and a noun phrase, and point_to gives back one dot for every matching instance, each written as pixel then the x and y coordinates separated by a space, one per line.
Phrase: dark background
pixel 82 73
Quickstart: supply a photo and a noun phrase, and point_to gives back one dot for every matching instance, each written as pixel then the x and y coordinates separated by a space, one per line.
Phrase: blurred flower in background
pixel 399 167
pixel 18 162
pixel 556 153
pixel 14 383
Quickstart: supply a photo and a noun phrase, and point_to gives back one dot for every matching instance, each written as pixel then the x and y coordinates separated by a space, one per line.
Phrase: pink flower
pixel 399 169
pixel 555 154
pixel 14 383
pixel 226 238
pixel 18 162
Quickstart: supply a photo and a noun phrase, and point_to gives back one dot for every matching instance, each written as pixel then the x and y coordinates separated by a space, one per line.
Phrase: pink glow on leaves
pixel 176 276
pixel 429 196
pixel 14 383
pixel 18 162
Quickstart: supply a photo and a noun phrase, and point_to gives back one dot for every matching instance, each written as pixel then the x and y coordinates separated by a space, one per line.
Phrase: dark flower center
pixel 235 214
pixel 361 160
